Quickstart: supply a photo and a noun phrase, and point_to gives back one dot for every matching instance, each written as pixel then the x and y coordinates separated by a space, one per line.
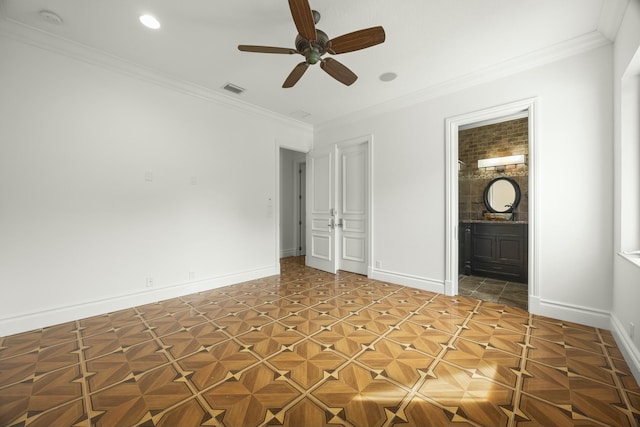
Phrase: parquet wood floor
pixel 306 348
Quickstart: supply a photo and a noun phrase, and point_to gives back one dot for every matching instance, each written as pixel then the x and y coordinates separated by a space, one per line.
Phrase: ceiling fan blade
pixel 303 18
pixel 266 49
pixel 357 40
pixel 295 75
pixel 338 71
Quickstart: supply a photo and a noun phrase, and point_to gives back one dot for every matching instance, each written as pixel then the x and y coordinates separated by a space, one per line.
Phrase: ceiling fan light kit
pixel 313 44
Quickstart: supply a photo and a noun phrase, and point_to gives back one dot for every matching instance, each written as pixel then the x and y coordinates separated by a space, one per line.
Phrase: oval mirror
pixel 502 195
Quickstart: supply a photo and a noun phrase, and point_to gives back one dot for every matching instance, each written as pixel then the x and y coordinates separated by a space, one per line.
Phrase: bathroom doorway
pixel 493 183
pixel 491 249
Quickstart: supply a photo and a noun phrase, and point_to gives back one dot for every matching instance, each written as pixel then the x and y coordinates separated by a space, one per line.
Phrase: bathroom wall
pixel 495 140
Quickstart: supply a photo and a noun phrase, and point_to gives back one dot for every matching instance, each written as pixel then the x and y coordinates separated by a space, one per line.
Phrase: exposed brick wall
pixel 497 140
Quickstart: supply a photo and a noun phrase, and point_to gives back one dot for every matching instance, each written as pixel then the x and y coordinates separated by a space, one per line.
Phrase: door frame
pixel 275 204
pixel 452 129
pixel 298 189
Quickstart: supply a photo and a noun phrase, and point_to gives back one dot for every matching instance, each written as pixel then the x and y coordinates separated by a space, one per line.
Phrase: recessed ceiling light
pixel 150 22
pixel 387 77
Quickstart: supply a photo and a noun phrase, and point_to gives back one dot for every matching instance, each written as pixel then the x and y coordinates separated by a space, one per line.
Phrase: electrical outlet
pixel 378 264
pixel 149 282
pixel 632 330
pixel 192 275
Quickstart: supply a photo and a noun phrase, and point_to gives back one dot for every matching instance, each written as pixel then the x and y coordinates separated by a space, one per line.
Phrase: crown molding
pixel 25 34
pixel 571 47
pixel 611 17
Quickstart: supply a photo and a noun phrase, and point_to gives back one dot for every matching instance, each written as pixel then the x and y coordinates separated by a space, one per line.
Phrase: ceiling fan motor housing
pixel 313 50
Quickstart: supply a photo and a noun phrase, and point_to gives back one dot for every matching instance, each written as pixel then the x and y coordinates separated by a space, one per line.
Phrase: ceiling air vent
pixel 233 88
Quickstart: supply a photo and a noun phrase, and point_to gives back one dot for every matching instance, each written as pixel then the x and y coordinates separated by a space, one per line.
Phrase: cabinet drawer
pixel 501 229
pixel 492 268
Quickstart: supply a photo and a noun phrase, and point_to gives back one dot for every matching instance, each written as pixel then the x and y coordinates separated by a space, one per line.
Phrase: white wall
pixel 80 226
pixel 626 279
pixel 575 156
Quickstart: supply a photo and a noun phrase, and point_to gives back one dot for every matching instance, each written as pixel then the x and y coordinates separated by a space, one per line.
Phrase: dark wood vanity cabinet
pixel 499 250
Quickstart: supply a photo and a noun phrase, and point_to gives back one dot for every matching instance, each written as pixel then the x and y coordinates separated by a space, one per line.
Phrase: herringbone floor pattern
pixel 307 348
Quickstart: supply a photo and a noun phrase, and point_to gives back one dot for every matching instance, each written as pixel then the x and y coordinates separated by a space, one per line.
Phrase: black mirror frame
pixel 516 188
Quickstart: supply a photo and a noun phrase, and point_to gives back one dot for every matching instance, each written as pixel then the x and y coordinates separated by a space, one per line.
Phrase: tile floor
pixel 513 294
pixel 306 348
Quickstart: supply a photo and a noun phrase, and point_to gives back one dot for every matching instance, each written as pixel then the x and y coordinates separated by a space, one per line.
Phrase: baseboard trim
pixel 627 347
pixel 284 253
pixel 418 282
pixel 41 319
pixel 570 313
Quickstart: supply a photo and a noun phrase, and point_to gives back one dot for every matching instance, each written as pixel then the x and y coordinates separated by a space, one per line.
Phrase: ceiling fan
pixel 313 43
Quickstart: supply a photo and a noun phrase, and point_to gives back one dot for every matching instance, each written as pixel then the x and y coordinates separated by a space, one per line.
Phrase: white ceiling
pixel 430 43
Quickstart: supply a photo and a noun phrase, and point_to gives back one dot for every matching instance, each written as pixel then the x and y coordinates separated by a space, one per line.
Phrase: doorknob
pixel 334 224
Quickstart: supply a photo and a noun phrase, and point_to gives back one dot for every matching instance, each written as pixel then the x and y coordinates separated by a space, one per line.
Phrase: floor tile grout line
pixel 555 405
pixel 83 397
pixel 303 338
pixel 259 360
pixel 379 336
pixel 348 359
pixel 174 362
pixel 305 392
pixel 581 376
pixel 521 372
pixel 414 390
pixel 169 357
pixel 32 418
pixel 339 320
pixel 85 374
pixel 434 363
pixel 616 379
pixel 522 392
pixel 528 345
pixel 49 372
pixel 36 348
pixel 132 323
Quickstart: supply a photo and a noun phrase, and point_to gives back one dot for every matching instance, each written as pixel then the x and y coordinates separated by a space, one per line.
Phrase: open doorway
pixel 488 245
pixel 292 203
pixel 493 199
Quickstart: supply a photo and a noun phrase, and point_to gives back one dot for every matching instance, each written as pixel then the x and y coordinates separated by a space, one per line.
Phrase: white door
pixel 352 209
pixel 321 226
pixel 338 198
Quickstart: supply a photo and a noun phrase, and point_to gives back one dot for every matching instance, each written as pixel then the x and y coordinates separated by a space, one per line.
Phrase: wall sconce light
pixel 500 162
